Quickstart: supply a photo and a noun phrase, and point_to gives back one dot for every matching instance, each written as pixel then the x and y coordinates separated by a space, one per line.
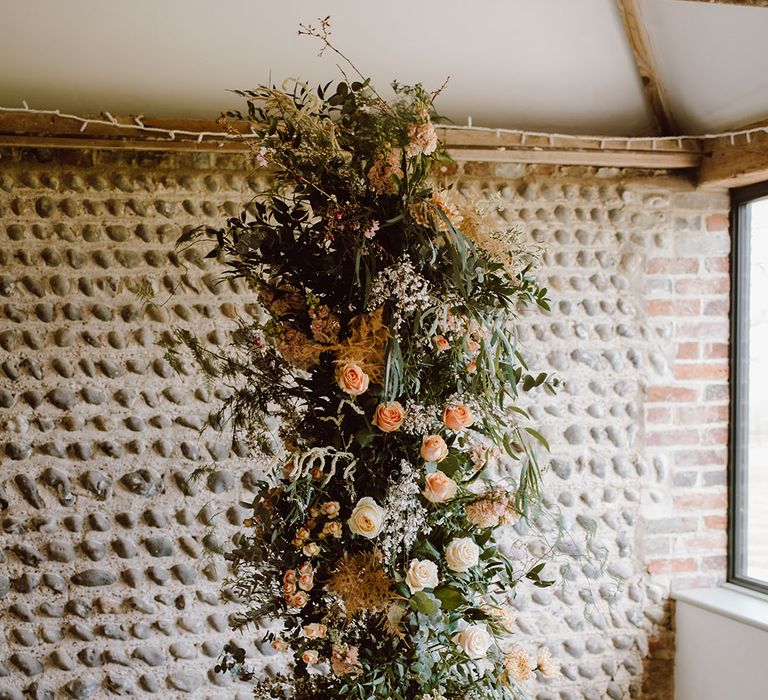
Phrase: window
pixel 748 522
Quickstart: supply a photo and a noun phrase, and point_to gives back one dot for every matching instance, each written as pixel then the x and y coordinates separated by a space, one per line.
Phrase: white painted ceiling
pixel 553 65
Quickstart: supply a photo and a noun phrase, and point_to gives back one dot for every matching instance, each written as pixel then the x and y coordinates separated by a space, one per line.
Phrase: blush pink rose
pixel 345 661
pixel 352 380
pixel 457 417
pixel 439 488
pixel 485 512
pixel 433 448
pixel 422 138
pixel 389 418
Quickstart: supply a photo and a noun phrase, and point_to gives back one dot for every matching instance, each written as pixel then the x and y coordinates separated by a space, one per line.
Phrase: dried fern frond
pixel 366 345
pixel 297 348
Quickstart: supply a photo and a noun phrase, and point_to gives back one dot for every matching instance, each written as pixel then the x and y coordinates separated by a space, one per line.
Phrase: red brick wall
pixel 686 414
pixel 686 410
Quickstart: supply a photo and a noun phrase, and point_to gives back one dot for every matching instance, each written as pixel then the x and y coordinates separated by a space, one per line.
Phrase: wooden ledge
pixel 50 131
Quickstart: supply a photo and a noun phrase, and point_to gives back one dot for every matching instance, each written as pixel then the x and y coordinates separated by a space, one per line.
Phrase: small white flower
pixel 406 515
pixel 462 554
pixel 372 229
pixel 261 156
pixel 548 667
pixel 421 574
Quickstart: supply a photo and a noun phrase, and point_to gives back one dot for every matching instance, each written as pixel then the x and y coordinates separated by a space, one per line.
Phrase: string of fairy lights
pixel 136 124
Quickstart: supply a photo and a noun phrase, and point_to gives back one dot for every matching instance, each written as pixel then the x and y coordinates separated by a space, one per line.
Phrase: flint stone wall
pixel 107 586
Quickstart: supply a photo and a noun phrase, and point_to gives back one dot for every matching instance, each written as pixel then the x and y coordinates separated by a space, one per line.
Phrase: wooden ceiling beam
pixel 44 131
pixel 646 66
pixel 728 163
pixel 743 3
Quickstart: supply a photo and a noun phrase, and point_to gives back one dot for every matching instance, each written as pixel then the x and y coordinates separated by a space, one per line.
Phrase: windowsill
pixel 741 605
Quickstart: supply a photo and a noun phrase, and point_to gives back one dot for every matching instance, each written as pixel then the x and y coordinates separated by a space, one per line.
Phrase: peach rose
pixel 433 448
pixel 472 346
pixel 472 367
pixel 306 577
pixel 315 630
pixel 389 418
pixel 311 550
pixel 441 344
pixel 332 529
pixel 298 599
pixel 439 488
pixel 310 657
pixel 330 508
pixel 352 380
pixel 457 416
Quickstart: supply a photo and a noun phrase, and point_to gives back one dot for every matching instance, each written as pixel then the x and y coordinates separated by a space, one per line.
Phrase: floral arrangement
pixel 379 391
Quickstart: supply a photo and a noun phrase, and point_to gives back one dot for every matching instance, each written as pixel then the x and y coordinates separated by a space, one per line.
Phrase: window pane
pixel 756 477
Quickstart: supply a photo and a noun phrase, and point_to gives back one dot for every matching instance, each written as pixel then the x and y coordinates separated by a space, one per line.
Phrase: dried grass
pixel 361 583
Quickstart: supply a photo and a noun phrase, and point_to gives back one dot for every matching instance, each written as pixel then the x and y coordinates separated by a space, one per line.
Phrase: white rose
pixel 367 518
pixel 474 641
pixel 462 554
pixel 421 574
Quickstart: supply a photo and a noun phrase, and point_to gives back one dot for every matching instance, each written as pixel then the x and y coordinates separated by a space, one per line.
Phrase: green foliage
pixel 365 266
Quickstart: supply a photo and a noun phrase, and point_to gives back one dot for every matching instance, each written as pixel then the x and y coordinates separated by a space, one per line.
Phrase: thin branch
pixel 323 33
